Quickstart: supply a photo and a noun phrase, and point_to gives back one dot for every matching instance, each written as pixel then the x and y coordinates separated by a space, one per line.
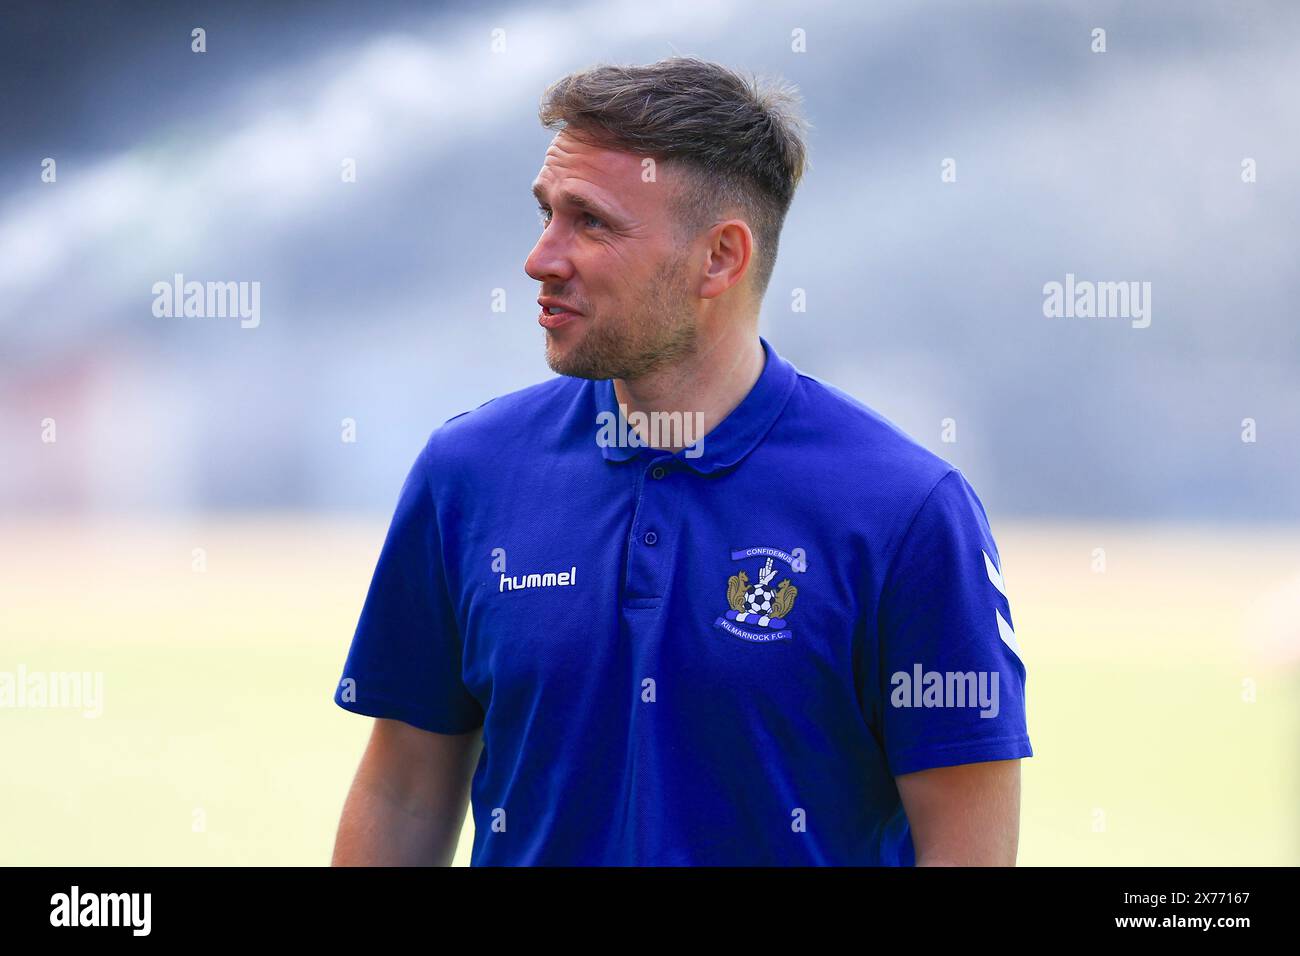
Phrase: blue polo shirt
pixel 722 656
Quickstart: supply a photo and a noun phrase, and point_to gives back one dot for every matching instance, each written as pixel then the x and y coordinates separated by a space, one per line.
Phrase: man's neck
pixel 704 388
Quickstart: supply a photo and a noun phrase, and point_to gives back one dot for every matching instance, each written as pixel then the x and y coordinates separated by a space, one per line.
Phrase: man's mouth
pixel 554 316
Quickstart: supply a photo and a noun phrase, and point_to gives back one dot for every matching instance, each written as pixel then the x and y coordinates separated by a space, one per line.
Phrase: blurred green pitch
pixel 220 744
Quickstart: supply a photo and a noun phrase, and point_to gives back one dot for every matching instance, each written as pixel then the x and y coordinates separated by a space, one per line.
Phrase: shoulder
pixel 521 420
pixel 859 442
pixel 879 470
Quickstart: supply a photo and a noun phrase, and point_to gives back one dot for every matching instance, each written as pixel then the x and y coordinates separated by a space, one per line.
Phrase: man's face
pixel 608 250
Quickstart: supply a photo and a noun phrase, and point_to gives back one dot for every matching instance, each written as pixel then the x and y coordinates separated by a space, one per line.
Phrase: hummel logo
pixel 549 580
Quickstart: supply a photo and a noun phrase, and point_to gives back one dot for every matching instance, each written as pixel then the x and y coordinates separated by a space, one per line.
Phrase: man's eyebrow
pixel 574 199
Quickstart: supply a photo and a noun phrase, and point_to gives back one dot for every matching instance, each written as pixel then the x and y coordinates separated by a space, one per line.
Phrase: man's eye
pixel 544 215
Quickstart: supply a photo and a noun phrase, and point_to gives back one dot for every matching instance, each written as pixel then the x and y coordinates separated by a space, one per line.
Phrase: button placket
pixel 649 544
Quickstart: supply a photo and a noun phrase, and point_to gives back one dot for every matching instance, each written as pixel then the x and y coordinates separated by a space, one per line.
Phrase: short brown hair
pixel 739 139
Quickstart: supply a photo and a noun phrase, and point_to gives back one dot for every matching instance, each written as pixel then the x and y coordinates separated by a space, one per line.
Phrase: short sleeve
pixel 953 682
pixel 405 658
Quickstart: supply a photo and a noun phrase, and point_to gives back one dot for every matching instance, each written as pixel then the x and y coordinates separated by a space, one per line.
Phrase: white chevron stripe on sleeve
pixel 1008 636
pixel 994 574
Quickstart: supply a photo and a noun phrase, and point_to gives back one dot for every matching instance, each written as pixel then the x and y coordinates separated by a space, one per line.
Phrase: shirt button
pixel 650 538
pixel 658 473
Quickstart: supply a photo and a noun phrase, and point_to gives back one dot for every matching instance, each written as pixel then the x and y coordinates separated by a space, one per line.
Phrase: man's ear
pixel 730 250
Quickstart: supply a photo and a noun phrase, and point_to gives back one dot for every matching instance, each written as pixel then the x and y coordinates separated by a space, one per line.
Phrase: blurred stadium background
pixel 1164 690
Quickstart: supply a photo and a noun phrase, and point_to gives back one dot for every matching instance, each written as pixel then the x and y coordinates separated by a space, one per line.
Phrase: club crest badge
pixel 759 608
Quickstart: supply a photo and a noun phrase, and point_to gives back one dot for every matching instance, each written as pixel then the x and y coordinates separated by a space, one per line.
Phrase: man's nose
pixel 549 258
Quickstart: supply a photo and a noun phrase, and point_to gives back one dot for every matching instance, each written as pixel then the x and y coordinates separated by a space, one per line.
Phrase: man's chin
pixel 596 353
pixel 568 360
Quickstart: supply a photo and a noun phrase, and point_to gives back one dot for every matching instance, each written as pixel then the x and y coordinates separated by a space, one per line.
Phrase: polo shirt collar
pixel 731 439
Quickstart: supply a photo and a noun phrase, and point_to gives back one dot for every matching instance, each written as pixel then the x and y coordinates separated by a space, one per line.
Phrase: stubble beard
pixel 659 333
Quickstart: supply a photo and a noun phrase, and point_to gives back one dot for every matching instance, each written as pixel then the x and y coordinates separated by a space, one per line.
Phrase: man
pixel 682 604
